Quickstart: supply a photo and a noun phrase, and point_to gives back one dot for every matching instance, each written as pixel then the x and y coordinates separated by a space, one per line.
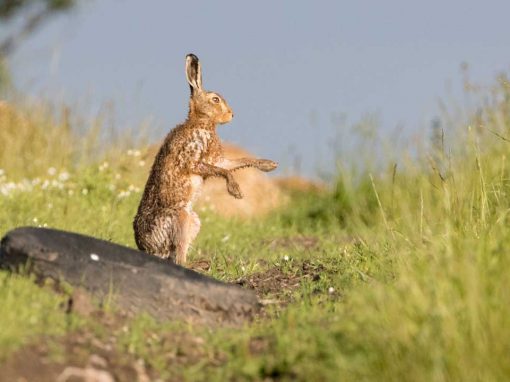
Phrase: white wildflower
pixel 123 194
pixel 134 153
pixel 52 171
pixel 7 188
pixel 84 191
pixel 35 220
pixel 103 166
pixel 63 176
pixel 286 258
pixel 225 238
pixel 141 163
pixel 24 185
pixel 331 290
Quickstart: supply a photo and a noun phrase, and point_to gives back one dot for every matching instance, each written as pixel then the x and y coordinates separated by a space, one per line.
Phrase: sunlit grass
pixel 413 264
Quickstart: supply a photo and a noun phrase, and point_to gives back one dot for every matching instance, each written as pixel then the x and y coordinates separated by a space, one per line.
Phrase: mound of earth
pixel 260 193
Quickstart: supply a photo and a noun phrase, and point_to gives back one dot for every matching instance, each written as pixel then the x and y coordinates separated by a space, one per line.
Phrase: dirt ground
pixel 80 356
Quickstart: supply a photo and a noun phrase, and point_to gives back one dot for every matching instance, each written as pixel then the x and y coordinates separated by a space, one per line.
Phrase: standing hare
pixel 165 224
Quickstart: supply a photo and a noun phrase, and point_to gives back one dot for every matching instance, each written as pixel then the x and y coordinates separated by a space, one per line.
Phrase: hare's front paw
pixel 234 190
pixel 266 165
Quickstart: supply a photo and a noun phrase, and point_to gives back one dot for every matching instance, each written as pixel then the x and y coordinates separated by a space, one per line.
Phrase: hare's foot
pixel 239 163
pixel 170 255
pixel 265 165
pixel 234 189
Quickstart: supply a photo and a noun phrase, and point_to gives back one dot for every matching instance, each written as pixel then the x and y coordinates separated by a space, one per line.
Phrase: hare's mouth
pixel 225 118
pixel 228 118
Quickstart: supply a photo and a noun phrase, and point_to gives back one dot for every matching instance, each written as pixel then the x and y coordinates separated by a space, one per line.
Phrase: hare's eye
pixel 216 99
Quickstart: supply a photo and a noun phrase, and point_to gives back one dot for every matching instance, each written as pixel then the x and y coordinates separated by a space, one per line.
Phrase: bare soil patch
pixel 79 356
pixel 277 284
pixel 88 356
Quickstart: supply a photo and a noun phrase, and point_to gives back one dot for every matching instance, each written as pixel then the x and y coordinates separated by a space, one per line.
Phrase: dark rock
pixel 134 281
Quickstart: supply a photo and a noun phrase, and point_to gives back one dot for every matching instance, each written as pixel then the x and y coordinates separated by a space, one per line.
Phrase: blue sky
pixel 286 67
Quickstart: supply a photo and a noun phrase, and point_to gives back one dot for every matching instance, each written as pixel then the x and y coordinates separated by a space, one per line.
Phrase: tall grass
pixel 443 230
pixel 36 136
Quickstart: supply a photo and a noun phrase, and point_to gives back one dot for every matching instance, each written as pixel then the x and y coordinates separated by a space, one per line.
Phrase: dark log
pixel 135 281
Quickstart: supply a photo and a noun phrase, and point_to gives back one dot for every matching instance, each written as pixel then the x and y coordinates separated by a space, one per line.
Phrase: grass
pixel 28 310
pixel 412 264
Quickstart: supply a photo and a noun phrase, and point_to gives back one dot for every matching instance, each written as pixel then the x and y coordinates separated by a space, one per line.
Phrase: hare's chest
pixel 214 151
pixel 196 182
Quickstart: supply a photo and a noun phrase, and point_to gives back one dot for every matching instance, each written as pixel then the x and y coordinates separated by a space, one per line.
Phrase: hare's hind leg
pixel 189 226
pixel 157 235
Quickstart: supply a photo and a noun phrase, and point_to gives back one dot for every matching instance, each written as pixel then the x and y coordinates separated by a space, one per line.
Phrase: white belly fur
pixel 196 187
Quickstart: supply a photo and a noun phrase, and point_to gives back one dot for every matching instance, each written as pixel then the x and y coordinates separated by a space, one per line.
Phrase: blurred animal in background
pixel 165 224
pixel 260 193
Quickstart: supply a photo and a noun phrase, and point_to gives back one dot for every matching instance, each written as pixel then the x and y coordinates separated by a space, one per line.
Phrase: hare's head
pixel 204 104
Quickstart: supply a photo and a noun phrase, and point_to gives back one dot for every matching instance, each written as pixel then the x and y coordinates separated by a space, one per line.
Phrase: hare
pixel 165 224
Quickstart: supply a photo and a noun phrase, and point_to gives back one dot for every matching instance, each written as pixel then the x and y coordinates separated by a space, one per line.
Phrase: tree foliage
pixel 31 15
pixel 11 8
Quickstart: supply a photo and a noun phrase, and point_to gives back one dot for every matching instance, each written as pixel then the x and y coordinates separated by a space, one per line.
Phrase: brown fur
pixel 165 224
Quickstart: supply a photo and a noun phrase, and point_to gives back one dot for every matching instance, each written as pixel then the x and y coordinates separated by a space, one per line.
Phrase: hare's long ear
pixel 193 74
